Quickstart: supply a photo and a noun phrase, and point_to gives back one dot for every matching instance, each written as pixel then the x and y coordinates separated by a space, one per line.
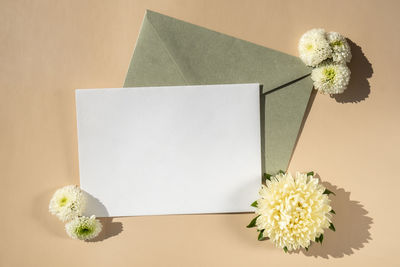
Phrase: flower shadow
pixel 110 229
pixel 361 69
pixel 352 227
pixel 51 223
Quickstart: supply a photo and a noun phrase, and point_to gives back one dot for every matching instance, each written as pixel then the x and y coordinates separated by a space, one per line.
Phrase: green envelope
pixel 173 52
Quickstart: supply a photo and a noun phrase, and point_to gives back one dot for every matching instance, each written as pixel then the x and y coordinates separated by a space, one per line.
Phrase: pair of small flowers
pixel 328 53
pixel 68 204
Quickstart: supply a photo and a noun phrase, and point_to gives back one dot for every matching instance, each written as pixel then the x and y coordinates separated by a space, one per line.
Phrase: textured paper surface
pixel 169 150
pixel 172 52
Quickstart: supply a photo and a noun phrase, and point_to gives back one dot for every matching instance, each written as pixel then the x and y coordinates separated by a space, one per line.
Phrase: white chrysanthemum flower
pixel 293 211
pixel 67 203
pixel 314 47
pixel 331 78
pixel 84 228
pixel 341 52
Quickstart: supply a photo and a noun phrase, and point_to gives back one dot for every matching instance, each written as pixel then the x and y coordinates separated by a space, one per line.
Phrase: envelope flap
pixel 172 52
pixel 153 65
pixel 208 57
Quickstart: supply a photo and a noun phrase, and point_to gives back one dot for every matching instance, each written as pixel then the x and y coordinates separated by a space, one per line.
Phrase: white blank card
pixel 169 150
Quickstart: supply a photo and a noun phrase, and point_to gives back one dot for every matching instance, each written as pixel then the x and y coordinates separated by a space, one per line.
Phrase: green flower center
pixel 83 230
pixel 336 43
pixel 329 74
pixel 63 201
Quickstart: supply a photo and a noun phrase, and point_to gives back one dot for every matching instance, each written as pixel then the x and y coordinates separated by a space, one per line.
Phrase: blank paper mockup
pixel 170 51
pixel 169 150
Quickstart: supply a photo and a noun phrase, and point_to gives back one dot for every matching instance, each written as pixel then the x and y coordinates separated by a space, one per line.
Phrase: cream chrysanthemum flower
pixel 67 203
pixel 331 78
pixel 293 211
pixel 84 228
pixel 314 47
pixel 341 52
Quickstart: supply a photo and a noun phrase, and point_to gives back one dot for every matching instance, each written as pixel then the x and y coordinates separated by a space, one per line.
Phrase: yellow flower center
pixel 309 47
pixel 63 201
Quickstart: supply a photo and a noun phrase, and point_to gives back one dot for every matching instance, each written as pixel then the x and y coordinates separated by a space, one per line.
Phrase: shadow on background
pixel 52 224
pixel 361 69
pixel 94 206
pixel 110 229
pixel 352 227
pixel 358 89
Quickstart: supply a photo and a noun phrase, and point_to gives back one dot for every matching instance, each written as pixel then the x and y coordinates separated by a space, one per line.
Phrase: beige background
pixel 49 48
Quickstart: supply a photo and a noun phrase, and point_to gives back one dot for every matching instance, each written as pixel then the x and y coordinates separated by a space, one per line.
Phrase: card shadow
pixel 303 122
pixel 262 128
pixel 361 70
pixel 352 227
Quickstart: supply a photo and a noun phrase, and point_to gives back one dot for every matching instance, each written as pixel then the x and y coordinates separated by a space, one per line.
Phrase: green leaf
pixel 254 204
pixel 332 211
pixel 267 176
pixel 260 235
pixel 310 173
pixel 306 248
pixel 253 222
pixel 280 171
pixel 332 227
pixel 327 192
pixel 285 249
pixel 321 238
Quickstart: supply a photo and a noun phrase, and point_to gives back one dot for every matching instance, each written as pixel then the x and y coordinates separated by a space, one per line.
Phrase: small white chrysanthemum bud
pixel 67 203
pixel 341 52
pixel 314 47
pixel 84 228
pixel 331 78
